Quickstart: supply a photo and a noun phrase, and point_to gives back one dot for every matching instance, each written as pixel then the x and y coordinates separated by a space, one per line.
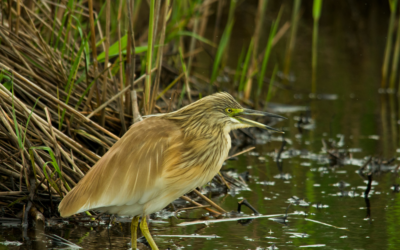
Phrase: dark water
pixel 331 212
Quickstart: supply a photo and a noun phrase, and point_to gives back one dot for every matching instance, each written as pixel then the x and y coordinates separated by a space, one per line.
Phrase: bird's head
pixel 218 111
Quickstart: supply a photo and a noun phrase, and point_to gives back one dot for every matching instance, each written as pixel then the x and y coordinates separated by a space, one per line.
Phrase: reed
pixel 159 60
pixel 267 53
pixel 395 62
pixel 223 44
pixel 270 87
pixel 106 73
pixel 86 82
pixel 149 58
pixel 244 76
pixel 262 6
pixel 131 98
pixel 292 39
pixel 121 73
pixel 316 15
pixel 239 67
pixel 71 80
pixel 388 48
pixel 186 87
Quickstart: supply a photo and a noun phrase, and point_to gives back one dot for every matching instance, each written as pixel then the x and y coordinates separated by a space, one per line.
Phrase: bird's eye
pixel 229 110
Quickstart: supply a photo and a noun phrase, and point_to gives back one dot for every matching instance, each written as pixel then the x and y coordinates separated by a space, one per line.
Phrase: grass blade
pixel 245 67
pixel 271 84
pixel 316 15
pixel 271 37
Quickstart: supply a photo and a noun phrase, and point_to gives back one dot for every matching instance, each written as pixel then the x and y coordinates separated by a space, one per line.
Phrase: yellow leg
pixel 146 233
pixel 134 227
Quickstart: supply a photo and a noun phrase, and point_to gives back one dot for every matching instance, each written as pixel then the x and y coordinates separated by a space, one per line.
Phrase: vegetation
pixel 68 92
pixel 74 75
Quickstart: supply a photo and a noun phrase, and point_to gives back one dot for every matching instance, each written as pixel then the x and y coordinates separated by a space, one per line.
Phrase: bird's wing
pixel 128 173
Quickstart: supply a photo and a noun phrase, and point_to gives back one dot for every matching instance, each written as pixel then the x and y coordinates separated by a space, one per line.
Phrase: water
pixel 330 210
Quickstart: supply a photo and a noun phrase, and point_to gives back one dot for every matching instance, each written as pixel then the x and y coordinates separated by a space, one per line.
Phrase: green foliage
pixel 113 51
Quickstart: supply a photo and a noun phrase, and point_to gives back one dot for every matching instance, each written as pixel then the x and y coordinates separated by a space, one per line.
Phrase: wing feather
pixel 127 174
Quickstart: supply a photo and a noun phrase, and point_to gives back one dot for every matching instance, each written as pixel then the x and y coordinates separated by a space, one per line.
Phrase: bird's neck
pixel 204 138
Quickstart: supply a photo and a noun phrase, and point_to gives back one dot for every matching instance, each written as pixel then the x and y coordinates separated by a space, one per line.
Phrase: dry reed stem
pixel 256 36
pixel 130 61
pixel 61 136
pixel 39 68
pixel 121 78
pixel 94 52
pixel 136 115
pixel 117 95
pixel 199 205
pixel 209 201
pixel 107 46
pixel 160 56
pixel 55 100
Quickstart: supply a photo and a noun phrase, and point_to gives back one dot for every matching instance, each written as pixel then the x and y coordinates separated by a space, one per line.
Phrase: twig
pixel 209 201
pixel 242 152
pixel 198 204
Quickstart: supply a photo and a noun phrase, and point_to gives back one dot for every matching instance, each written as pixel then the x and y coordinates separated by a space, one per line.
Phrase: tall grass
pixel 87 81
pixel 246 64
pixel 268 48
pixel 292 39
pixel 388 48
pixel 270 87
pixel 106 73
pixel 223 43
pixel 316 15
pixel 160 51
pixel 149 58
pixel 395 62
pixel 186 87
pixel 239 66
pixel 262 6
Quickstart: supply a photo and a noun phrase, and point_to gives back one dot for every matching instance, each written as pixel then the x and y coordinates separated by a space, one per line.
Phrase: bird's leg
pixel 146 233
pixel 134 227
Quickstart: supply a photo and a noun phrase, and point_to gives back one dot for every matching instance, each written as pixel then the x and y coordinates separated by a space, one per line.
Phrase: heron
pixel 160 159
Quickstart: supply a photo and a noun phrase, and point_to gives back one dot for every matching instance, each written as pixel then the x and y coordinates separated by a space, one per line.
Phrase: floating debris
pixel 206 222
pixel 298 235
pixel 315 245
pixel 286 176
pixel 11 243
pixel 297 201
pixel 325 224
pixel 266 183
pixel 318 205
pixel 61 241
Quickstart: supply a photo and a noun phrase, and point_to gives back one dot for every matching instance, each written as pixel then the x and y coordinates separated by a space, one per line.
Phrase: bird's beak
pixel 257 124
